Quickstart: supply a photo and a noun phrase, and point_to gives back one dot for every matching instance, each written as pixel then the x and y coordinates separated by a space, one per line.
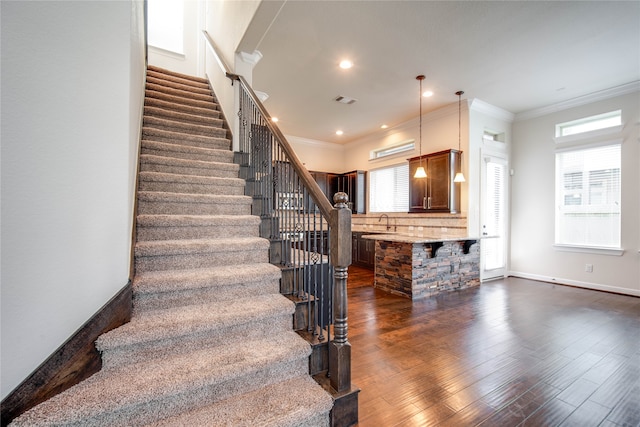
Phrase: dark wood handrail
pixel 312 186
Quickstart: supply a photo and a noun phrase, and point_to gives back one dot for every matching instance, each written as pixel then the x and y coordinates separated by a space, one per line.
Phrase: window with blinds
pixel 389 189
pixel 588 196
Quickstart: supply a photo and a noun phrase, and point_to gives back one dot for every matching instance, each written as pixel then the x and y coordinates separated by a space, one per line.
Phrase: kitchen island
pixel 417 267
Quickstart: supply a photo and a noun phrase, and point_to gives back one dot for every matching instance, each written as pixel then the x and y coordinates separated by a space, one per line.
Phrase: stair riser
pixel 211 339
pixel 187 170
pixel 188 128
pixel 179 117
pixel 178 208
pixel 187 81
pixel 173 187
pixel 199 260
pixel 198 88
pixel 178 143
pixel 186 109
pixel 187 94
pixel 195 232
pixel 146 302
pixel 217 157
pixel 177 138
pixel 180 100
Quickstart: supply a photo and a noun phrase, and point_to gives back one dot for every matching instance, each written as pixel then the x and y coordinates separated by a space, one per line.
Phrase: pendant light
pixel 420 172
pixel 459 176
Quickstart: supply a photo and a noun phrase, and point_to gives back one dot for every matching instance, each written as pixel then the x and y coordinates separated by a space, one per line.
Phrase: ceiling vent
pixel 345 100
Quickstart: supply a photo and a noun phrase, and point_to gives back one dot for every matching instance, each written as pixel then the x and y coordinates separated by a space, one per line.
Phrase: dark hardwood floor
pixel 511 352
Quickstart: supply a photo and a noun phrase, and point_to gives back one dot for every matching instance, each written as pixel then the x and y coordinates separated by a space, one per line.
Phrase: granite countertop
pixel 405 238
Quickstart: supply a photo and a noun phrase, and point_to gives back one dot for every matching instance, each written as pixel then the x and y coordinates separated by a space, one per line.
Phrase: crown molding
pixel 480 106
pixel 581 100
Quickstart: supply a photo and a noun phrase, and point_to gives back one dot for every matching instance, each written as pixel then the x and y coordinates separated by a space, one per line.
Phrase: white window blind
pixel 588 196
pixel 495 222
pixel 389 189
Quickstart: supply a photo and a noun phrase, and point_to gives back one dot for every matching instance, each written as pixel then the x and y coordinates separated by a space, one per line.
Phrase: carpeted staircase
pixel 210 342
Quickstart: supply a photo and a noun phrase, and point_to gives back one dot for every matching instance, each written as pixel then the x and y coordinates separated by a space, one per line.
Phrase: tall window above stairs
pixel 165 26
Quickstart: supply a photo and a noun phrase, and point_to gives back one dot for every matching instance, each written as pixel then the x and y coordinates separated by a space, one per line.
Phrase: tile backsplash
pixel 433 225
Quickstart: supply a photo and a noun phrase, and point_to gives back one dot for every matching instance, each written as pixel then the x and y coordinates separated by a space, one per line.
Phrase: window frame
pixel 559 187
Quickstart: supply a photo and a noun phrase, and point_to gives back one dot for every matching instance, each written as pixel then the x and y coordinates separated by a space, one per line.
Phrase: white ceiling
pixel 515 55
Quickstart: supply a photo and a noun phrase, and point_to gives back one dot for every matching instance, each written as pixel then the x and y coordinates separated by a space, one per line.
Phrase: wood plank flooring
pixel 511 352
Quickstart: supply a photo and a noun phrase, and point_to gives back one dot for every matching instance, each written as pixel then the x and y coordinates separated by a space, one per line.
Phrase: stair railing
pixel 311 239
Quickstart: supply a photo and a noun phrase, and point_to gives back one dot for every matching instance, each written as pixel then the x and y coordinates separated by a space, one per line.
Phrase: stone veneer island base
pixel 418 267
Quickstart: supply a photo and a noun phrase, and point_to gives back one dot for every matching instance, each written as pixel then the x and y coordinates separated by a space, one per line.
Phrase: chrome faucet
pixel 380 219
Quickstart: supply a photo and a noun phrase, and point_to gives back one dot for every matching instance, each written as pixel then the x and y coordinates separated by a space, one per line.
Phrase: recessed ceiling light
pixel 339 132
pixel 384 126
pixel 274 119
pixel 427 93
pixel 345 64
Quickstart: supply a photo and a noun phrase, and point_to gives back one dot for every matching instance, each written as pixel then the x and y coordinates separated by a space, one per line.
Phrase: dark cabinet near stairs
pixel 355 185
pixel 437 192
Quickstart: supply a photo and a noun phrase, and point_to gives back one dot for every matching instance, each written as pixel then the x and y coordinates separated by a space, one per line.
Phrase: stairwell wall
pixel 72 93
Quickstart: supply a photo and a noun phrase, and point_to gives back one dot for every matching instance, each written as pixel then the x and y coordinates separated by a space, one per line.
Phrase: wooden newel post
pixel 339 347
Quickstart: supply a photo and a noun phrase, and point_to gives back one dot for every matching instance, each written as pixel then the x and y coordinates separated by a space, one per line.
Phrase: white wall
pixel 532 212
pixel 72 86
pixel 319 156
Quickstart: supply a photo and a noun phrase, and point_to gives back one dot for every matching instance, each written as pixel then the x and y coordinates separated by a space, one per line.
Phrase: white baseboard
pixel 586 285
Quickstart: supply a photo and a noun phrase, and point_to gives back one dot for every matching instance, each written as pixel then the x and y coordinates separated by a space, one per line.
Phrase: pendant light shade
pixel 420 172
pixel 459 176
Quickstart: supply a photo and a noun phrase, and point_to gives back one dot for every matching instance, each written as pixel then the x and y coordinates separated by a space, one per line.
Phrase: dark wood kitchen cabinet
pixel 363 251
pixel 355 185
pixel 437 192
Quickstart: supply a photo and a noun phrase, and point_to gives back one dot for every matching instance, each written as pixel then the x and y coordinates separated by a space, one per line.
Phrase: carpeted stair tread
pixel 148 93
pixel 165 113
pixel 191 179
pixel 271 406
pixel 190 95
pixel 188 109
pixel 150 162
pixel 164 197
pixel 165 324
pixel 179 138
pixel 182 127
pixel 172 227
pixel 164 203
pixel 178 85
pixel 199 246
pixel 154 290
pixel 167 281
pixel 148 392
pixel 186 152
pixel 196 220
pixel 165 74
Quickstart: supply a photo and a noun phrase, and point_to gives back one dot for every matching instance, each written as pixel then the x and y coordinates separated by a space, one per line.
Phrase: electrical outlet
pixel 588 268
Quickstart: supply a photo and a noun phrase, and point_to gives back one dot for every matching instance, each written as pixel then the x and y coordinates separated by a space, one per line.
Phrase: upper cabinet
pixel 353 183
pixel 437 192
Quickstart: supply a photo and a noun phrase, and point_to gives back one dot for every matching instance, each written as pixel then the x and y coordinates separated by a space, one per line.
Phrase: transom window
pixel 588 124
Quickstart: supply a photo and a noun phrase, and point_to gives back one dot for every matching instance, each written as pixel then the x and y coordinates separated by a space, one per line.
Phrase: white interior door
pixel 494 220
